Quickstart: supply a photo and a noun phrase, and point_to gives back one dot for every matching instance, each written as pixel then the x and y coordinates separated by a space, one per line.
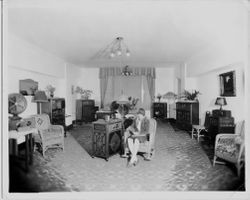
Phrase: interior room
pixel 125 96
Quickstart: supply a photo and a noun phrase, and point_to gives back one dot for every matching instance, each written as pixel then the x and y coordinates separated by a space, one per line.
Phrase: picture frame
pixel 28 87
pixel 228 84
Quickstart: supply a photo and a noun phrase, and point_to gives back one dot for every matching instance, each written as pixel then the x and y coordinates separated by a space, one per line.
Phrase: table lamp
pixel 40 97
pixel 221 101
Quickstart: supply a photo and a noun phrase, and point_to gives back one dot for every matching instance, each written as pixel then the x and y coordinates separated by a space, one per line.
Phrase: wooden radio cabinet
pixel 221 122
pixel 187 113
pixel 85 110
pixel 107 138
pixel 160 110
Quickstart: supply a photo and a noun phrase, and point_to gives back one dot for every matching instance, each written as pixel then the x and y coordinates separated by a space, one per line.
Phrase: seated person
pixel 136 133
pixel 115 107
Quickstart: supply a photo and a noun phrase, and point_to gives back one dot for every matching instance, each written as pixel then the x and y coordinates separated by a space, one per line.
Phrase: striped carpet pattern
pixel 180 164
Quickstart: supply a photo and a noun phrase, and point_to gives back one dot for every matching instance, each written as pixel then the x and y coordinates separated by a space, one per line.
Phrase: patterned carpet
pixel 180 164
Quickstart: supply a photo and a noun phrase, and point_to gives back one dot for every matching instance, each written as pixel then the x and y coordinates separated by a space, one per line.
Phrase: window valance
pixel 117 71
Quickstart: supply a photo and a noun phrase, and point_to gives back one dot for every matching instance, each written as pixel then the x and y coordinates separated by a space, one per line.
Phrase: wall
pixel 27 56
pixel 15 74
pixel 73 78
pixel 165 81
pixel 209 86
pixel 90 80
pixel 223 55
pixel 26 61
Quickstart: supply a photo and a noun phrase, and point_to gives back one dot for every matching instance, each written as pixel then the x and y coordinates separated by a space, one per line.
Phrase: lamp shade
pixel 40 96
pixel 221 101
pixel 123 99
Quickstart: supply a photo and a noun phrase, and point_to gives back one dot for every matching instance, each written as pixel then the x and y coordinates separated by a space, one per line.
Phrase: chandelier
pixel 118 48
pixel 126 71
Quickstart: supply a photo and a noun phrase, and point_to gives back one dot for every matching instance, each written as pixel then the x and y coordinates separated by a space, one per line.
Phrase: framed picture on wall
pixel 228 84
pixel 28 87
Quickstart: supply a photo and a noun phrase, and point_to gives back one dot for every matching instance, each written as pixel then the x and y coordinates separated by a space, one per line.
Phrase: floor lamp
pixel 40 97
pixel 122 100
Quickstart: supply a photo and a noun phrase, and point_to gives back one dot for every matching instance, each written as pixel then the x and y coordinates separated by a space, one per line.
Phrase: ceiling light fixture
pixel 118 48
pixel 126 71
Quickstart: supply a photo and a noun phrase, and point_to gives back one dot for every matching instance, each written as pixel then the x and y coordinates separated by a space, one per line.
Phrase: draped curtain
pixel 111 78
pixel 103 88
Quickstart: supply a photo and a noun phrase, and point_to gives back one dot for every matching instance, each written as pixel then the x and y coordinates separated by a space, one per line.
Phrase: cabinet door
pixel 99 144
pixel 88 113
pixel 114 142
pixel 78 110
pixel 46 108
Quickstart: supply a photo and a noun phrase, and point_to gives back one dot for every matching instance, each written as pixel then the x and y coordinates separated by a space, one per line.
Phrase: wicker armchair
pixel 230 147
pixel 50 136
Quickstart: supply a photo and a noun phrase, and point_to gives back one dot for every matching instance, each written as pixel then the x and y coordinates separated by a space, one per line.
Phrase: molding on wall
pixel 33 71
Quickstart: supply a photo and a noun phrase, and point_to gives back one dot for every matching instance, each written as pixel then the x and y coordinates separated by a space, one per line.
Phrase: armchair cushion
pixel 42 121
pixel 227 148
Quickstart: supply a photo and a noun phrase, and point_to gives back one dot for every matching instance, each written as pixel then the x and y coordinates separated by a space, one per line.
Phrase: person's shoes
pixel 148 158
pixel 136 162
pixel 129 164
pixel 124 156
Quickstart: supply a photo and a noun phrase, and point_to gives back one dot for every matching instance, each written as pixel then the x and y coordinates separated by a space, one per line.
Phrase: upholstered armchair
pixel 230 147
pixel 148 146
pixel 49 136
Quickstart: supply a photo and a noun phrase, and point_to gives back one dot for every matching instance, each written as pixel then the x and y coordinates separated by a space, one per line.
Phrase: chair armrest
pixel 225 135
pixel 57 127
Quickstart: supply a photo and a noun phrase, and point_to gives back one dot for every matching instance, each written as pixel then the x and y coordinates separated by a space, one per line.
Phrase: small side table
pixel 20 136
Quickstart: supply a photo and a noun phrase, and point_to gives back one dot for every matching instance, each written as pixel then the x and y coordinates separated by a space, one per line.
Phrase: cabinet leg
pixel 27 153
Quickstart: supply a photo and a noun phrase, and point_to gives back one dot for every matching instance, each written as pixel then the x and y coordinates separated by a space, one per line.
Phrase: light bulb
pixel 112 54
pixel 128 52
pixel 119 52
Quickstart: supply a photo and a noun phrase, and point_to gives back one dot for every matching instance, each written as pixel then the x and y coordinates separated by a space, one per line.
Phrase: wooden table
pixel 19 137
pixel 102 113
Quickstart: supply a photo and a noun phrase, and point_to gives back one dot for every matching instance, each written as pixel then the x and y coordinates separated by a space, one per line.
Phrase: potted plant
pixel 85 94
pixel 50 89
pixel 191 96
pixel 132 103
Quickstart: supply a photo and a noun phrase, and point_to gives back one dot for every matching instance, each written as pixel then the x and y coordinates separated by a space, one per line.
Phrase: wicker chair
pixel 230 147
pixel 200 130
pixel 50 136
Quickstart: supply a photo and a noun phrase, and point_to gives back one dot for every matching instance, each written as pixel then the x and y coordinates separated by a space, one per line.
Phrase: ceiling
pixel 155 31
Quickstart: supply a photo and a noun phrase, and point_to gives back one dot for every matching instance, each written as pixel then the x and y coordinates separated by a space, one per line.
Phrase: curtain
pixel 116 71
pixel 109 94
pixel 151 88
pixel 103 88
pixel 113 84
